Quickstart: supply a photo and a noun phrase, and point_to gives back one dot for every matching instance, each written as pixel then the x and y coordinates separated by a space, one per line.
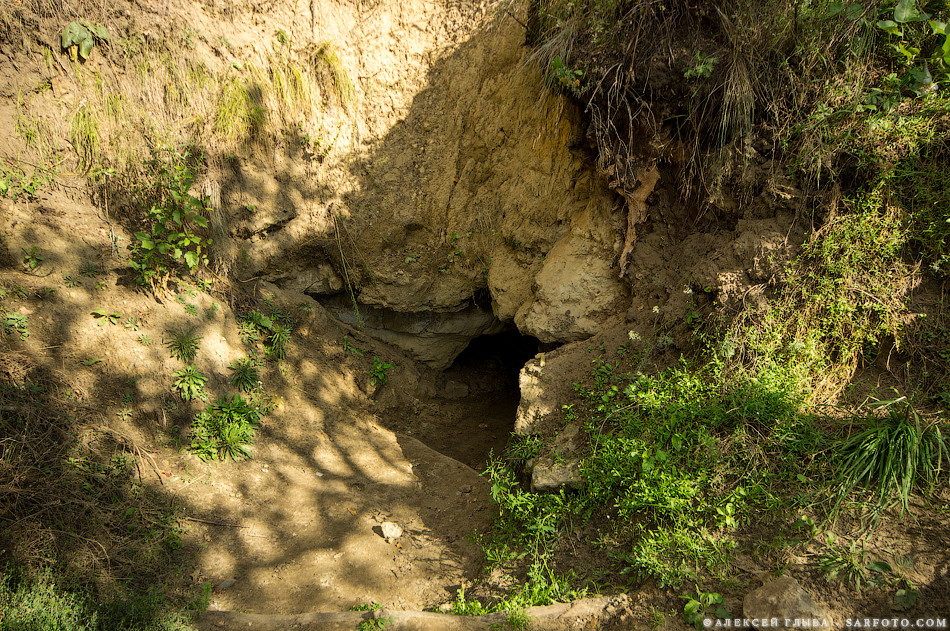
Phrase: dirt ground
pixel 299 528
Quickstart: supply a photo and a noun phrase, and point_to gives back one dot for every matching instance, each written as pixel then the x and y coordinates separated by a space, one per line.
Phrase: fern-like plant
pixel 190 383
pixel 183 345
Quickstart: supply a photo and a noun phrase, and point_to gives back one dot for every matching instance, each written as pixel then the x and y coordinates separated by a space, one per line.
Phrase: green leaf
pixel 200 221
pixel 85 47
pixel 890 26
pixel 906 11
pixel 100 31
pixel 881 567
pixel 91 361
pixel 74 33
pixel 905 599
pixel 191 260
pixel 939 28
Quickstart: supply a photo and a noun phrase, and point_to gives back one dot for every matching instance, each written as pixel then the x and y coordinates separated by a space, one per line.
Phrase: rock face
pixel 784 600
pixel 576 293
pixel 433 337
pixel 479 182
pixel 530 408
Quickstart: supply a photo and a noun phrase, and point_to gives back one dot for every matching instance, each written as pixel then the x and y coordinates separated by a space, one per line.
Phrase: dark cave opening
pixel 478 397
pixel 502 354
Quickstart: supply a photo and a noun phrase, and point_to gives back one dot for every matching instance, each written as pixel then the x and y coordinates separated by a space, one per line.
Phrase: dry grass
pixel 71 492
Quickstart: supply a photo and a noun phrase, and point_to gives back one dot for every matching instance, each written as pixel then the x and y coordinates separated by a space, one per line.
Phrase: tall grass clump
pixel 239 115
pixel 84 135
pixel 894 456
pixel 328 57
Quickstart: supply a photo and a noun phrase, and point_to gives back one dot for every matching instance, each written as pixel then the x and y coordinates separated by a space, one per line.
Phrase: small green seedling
pixel 105 316
pixel 32 258
pixel 379 372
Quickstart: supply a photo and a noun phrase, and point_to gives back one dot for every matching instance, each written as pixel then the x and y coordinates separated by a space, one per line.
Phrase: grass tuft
pixel 894 456
pixel 184 345
pixel 328 56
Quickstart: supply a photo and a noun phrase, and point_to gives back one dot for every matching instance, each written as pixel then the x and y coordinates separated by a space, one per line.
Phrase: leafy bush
pixel 172 242
pixel 224 428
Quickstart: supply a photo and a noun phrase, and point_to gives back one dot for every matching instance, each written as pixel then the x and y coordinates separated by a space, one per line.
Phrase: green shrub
pixel 172 243
pixel 224 428
pixel 190 383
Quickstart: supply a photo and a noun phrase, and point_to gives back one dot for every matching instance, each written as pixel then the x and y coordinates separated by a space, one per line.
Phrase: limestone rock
pixel 785 600
pixel 531 408
pixel 316 281
pixel 549 475
pixel 390 531
pixel 510 284
pixel 577 293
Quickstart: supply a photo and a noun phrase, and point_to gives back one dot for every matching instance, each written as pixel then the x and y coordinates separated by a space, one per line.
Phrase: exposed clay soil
pixel 296 529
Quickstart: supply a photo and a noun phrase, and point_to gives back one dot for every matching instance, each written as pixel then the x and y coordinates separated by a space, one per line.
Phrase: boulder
pixel 784 600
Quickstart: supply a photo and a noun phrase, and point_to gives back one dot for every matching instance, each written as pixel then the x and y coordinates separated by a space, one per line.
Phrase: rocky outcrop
pixel 432 337
pixel 531 409
pixel 483 184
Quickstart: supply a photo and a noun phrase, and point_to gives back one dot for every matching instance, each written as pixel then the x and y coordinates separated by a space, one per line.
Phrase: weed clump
pixel 190 383
pixel 225 428
pixel 172 243
pixel 894 456
pixel 184 345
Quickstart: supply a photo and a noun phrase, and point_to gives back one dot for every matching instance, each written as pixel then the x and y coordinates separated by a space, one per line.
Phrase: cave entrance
pixel 479 395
